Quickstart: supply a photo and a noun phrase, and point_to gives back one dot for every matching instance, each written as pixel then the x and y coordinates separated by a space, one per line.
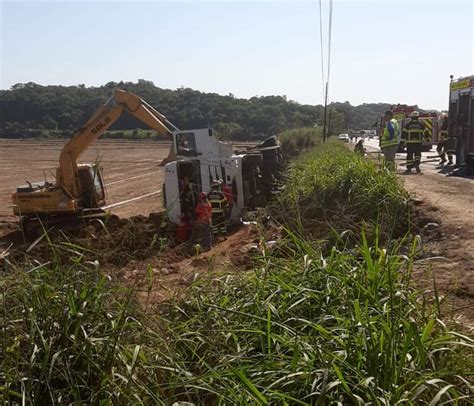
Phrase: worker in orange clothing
pixel 202 226
pixel 227 189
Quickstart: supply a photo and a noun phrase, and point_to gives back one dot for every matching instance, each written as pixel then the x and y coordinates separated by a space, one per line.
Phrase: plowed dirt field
pixel 130 169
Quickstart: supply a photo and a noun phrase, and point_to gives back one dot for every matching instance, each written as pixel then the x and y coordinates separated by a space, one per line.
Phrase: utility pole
pixel 329 122
pixel 325 112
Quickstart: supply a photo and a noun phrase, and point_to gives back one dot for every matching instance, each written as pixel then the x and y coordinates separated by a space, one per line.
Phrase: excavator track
pixel 34 226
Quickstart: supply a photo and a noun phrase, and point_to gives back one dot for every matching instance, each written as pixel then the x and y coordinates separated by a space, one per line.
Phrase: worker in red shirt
pixel 202 225
pixel 227 189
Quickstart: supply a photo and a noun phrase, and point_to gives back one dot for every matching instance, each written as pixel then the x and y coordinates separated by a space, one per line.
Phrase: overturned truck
pixel 250 174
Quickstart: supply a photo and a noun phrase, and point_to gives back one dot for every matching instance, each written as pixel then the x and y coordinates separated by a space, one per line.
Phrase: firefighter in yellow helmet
pixel 413 136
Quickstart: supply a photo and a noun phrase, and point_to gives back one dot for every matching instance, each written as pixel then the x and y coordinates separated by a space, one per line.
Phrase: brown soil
pixel 450 245
pixel 130 169
pixel 448 259
pixel 138 252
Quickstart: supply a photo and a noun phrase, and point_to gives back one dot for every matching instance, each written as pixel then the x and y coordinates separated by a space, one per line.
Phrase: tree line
pixel 29 110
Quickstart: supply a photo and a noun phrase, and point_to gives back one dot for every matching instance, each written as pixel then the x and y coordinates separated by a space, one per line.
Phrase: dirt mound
pixel 110 241
pixel 138 252
pixel 118 241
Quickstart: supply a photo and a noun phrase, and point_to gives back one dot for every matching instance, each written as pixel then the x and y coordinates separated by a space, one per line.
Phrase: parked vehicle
pixel 343 137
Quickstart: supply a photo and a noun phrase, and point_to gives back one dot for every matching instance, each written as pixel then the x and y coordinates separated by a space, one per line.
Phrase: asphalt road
pixel 372 145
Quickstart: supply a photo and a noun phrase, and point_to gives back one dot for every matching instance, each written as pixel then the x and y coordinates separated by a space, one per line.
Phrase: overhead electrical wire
pixel 325 82
pixel 329 39
pixel 321 44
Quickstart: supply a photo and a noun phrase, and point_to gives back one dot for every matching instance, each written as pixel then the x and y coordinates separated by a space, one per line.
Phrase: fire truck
pixel 401 112
pixel 461 120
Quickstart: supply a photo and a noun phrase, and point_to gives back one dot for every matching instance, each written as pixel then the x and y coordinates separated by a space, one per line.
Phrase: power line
pixel 326 92
pixel 329 38
pixel 321 46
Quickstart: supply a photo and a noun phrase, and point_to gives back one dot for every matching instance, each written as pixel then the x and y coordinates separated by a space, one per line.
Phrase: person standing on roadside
pixel 389 139
pixel 413 136
pixel 443 147
pixel 202 225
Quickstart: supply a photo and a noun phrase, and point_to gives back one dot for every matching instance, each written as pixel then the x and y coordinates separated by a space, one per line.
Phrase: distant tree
pixel 48 123
pixel 67 108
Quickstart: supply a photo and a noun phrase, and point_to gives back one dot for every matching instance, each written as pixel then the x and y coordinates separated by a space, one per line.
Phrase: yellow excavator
pixel 79 188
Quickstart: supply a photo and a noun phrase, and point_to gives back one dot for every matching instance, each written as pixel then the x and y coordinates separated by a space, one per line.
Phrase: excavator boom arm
pixel 102 119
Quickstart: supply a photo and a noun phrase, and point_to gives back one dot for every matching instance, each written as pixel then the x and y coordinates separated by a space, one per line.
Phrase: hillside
pixel 32 110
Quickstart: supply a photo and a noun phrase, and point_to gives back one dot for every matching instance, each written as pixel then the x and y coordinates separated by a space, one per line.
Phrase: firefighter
pixel 389 139
pixel 220 207
pixel 413 136
pixel 202 226
pixel 444 143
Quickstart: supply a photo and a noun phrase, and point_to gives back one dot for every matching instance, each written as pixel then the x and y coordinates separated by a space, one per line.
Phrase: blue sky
pixel 385 50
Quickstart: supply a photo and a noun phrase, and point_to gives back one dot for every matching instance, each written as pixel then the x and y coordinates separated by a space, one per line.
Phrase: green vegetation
pixel 310 325
pixel 294 142
pixel 67 335
pixel 32 110
pixel 335 189
pixel 18 133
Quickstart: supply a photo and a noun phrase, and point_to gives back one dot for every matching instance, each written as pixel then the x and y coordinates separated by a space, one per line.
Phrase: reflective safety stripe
pixel 414 131
pixel 388 143
pixel 414 136
pixel 428 132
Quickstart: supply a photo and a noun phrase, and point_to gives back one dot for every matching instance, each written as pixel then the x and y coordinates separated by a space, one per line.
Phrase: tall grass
pixel 67 336
pixel 301 330
pixel 294 142
pixel 307 330
pixel 335 189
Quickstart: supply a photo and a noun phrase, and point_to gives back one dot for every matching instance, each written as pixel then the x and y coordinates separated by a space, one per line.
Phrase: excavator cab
pixel 91 186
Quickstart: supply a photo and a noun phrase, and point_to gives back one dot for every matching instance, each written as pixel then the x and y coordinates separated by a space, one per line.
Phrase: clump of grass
pixel 335 189
pixel 302 329
pixel 67 336
pixel 307 330
pixel 294 142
